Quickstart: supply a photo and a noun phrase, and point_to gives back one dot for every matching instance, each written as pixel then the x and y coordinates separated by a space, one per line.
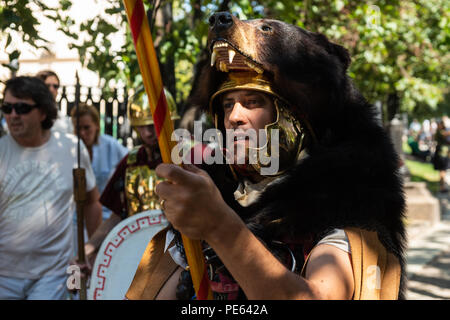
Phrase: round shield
pixel 120 254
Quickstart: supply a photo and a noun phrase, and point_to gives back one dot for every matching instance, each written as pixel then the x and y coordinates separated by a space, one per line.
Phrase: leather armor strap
pixel 155 268
pixel 376 272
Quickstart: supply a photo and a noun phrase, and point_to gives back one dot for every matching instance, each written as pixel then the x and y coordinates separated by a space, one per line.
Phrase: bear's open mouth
pixel 226 57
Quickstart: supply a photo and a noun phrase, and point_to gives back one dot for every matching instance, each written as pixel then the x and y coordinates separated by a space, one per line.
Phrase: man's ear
pixel 42 115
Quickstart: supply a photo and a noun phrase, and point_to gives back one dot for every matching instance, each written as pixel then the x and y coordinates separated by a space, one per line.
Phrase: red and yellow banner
pixel 151 76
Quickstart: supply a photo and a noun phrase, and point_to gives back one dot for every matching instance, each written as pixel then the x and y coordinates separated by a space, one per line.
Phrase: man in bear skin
pixel 328 223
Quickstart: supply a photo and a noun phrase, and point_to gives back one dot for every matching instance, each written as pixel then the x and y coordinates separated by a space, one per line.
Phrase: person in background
pixel 440 159
pixel 415 127
pixel 104 150
pixel 36 195
pixel 51 80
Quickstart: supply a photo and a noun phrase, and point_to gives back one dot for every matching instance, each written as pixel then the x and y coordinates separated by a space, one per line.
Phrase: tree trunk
pixel 163 22
pixel 392 105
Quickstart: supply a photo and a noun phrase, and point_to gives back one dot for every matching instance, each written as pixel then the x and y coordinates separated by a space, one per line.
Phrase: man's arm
pixel 328 275
pixel 95 241
pixel 195 207
pixel 92 211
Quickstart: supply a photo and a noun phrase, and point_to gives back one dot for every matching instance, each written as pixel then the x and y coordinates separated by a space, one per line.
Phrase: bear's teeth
pixel 213 57
pixel 231 54
pixel 220 44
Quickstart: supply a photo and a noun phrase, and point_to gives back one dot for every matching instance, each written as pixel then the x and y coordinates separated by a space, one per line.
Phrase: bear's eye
pixel 266 28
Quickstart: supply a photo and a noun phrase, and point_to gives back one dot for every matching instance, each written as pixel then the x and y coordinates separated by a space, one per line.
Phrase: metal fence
pixel 111 107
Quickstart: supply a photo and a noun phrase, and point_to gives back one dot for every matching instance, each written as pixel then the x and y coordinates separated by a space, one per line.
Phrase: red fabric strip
pixel 203 290
pixel 160 113
pixel 136 20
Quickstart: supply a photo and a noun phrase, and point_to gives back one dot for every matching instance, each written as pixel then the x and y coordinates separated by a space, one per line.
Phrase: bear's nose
pixel 220 21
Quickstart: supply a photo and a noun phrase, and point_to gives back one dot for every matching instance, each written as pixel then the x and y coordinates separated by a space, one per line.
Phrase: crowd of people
pixel 429 141
pixel 38 223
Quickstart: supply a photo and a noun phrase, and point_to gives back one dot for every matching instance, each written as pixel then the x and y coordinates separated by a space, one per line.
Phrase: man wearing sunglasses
pixel 36 194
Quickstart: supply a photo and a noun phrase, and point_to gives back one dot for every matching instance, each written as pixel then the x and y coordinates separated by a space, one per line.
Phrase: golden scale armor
pixel 140 180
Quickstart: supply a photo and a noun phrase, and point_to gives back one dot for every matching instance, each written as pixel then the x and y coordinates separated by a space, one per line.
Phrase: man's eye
pixel 252 102
pixel 227 105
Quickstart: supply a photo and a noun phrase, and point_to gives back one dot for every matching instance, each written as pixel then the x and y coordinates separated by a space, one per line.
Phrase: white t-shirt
pixel 63 124
pixel 36 205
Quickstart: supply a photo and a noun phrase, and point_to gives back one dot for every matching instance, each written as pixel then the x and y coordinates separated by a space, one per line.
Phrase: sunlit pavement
pixel 428 257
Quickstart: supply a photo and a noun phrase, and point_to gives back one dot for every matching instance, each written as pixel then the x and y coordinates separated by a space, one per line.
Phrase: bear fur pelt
pixel 350 177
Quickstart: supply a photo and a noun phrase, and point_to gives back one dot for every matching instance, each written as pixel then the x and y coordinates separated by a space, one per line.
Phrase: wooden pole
pixel 151 76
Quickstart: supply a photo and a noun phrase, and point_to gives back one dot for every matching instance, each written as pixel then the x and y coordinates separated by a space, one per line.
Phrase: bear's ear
pixel 337 50
pixel 342 53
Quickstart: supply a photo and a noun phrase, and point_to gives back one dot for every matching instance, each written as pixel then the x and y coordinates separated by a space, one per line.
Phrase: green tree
pixel 17 19
pixel 399 48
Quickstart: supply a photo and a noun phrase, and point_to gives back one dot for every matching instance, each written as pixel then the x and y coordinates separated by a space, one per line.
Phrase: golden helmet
pixel 139 111
pixel 242 81
pixel 289 131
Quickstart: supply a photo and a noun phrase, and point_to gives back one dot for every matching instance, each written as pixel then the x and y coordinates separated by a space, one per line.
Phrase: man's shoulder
pixel 65 137
pixel 106 139
pixel 67 142
pixel 3 139
pixel 4 142
pixel 7 140
pixel 135 154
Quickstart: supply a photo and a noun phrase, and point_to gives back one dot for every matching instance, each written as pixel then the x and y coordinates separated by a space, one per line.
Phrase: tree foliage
pixel 399 48
pixel 17 19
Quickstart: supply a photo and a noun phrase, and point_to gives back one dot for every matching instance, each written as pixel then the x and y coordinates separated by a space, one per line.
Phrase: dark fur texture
pixel 351 175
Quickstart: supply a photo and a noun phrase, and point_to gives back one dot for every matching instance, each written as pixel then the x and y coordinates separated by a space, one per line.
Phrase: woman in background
pixel 440 159
pixel 105 151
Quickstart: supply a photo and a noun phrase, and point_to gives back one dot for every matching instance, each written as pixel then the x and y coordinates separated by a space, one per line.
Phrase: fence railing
pixel 112 109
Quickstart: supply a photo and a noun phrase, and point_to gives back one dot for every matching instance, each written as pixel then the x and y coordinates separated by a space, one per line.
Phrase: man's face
pixel 23 126
pixel 148 135
pixel 53 85
pixel 244 110
pixel 88 129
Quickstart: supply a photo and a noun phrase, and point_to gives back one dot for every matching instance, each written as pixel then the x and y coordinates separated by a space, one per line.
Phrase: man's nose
pixel 220 21
pixel 14 114
pixel 148 132
pixel 237 116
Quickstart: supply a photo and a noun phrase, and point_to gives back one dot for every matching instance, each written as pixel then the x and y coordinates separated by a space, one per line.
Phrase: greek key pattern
pixel 114 244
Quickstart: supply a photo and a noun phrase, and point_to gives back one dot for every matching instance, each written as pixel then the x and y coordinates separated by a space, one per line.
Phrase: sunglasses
pixel 20 108
pixel 55 86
